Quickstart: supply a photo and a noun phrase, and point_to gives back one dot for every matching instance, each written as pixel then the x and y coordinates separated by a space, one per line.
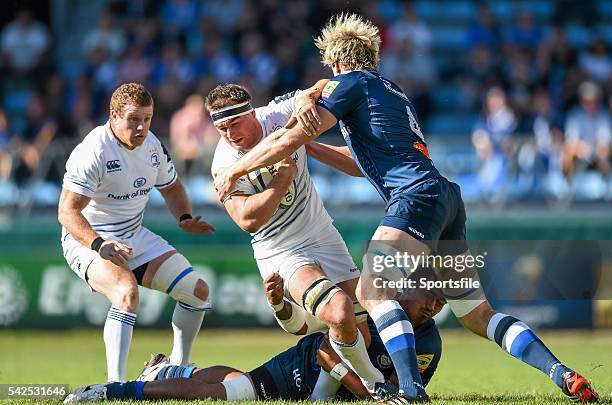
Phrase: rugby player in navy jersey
pixel 423 208
pixel 291 375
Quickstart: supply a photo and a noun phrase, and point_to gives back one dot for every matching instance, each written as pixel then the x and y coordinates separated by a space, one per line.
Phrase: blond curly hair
pixel 351 41
pixel 130 93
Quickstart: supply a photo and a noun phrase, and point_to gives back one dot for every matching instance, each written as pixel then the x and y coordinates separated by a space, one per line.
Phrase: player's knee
pixel 201 290
pixel 339 312
pixel 176 277
pixel 125 297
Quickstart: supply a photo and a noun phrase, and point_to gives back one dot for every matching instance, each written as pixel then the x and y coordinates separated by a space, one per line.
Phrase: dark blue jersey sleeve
pixel 341 95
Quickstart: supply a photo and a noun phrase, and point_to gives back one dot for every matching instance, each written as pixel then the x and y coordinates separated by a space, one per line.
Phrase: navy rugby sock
pixel 397 334
pixel 127 390
pixel 519 341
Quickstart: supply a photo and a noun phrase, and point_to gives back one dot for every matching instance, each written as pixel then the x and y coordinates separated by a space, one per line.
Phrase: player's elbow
pixel 250 225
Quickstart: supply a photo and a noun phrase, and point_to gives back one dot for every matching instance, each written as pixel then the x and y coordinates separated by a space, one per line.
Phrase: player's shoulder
pixel 348 82
pixel 93 142
pixel 224 155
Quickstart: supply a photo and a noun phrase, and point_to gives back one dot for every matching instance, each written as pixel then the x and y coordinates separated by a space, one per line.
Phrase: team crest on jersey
pixel 155 159
pixel 139 182
pixel 424 360
pixel 113 166
pixel 329 88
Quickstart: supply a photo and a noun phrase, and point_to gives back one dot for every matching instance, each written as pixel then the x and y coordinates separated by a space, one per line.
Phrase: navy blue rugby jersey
pixel 380 127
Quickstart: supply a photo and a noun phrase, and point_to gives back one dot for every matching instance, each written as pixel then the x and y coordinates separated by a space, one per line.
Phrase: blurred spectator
pixel 548 134
pixel 555 60
pixel 588 133
pixel 135 67
pixel 103 72
pixel 6 158
pixel 258 62
pixel 107 35
pixel 224 12
pixel 177 17
pixel 40 130
pixel 24 43
pixel 485 32
pixel 410 28
pixel 192 137
pixel 173 67
pixel 597 61
pixel 525 33
pixel 414 72
pixel 481 66
pixel 494 141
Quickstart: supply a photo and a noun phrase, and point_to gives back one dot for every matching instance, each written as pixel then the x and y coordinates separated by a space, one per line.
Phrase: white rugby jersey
pixel 303 222
pixel 118 180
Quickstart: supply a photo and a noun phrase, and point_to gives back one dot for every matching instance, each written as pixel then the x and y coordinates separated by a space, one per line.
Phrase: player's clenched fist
pixel 117 252
pixel 288 165
pixel 274 288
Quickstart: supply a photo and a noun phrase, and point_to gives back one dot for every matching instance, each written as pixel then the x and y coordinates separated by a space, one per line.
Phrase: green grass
pixel 472 369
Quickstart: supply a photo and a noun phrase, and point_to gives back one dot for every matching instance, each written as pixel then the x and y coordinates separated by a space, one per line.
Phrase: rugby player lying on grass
pixel 291 375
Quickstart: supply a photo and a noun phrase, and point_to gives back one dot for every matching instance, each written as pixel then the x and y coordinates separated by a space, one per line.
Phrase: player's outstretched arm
pixel 273 148
pixel 178 202
pixel 338 157
pixel 251 212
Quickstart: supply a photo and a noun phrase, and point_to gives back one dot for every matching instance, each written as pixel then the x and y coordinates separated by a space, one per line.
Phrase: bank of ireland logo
pixel 113 166
pixel 139 182
pixel 13 296
pixel 155 159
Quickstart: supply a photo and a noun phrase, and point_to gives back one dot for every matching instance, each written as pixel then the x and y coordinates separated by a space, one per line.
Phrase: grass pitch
pixel 472 370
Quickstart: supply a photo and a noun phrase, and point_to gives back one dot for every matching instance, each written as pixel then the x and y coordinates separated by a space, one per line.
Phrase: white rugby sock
pixel 186 323
pixel 325 388
pixel 356 356
pixel 117 338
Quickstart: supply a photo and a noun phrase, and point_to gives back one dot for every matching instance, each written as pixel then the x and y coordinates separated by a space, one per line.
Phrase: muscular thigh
pixel 301 279
pixel 104 276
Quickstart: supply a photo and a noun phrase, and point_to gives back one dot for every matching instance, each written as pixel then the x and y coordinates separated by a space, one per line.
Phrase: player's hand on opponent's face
pixel 196 226
pixel 288 165
pixel 306 115
pixel 274 288
pixel 326 356
pixel 117 252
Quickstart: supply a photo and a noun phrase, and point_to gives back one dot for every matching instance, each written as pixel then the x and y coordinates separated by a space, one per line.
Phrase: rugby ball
pixel 262 177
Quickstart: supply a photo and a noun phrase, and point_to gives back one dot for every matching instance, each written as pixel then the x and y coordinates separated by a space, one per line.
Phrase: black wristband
pixel 184 217
pixel 97 244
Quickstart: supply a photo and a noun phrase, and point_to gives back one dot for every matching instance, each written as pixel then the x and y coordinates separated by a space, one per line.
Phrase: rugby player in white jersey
pixel 292 232
pixel 105 190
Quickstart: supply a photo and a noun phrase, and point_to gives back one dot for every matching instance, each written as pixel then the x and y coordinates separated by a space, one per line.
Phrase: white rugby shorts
pixel 145 245
pixel 329 253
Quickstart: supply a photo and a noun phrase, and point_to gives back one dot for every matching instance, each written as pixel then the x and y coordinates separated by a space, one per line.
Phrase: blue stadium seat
pixel 459 11
pixel 604 8
pixel 605 30
pixel 449 37
pixel 449 123
pixel 503 10
pixel 427 10
pixel 578 36
pixel 542 10
pixel 444 97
